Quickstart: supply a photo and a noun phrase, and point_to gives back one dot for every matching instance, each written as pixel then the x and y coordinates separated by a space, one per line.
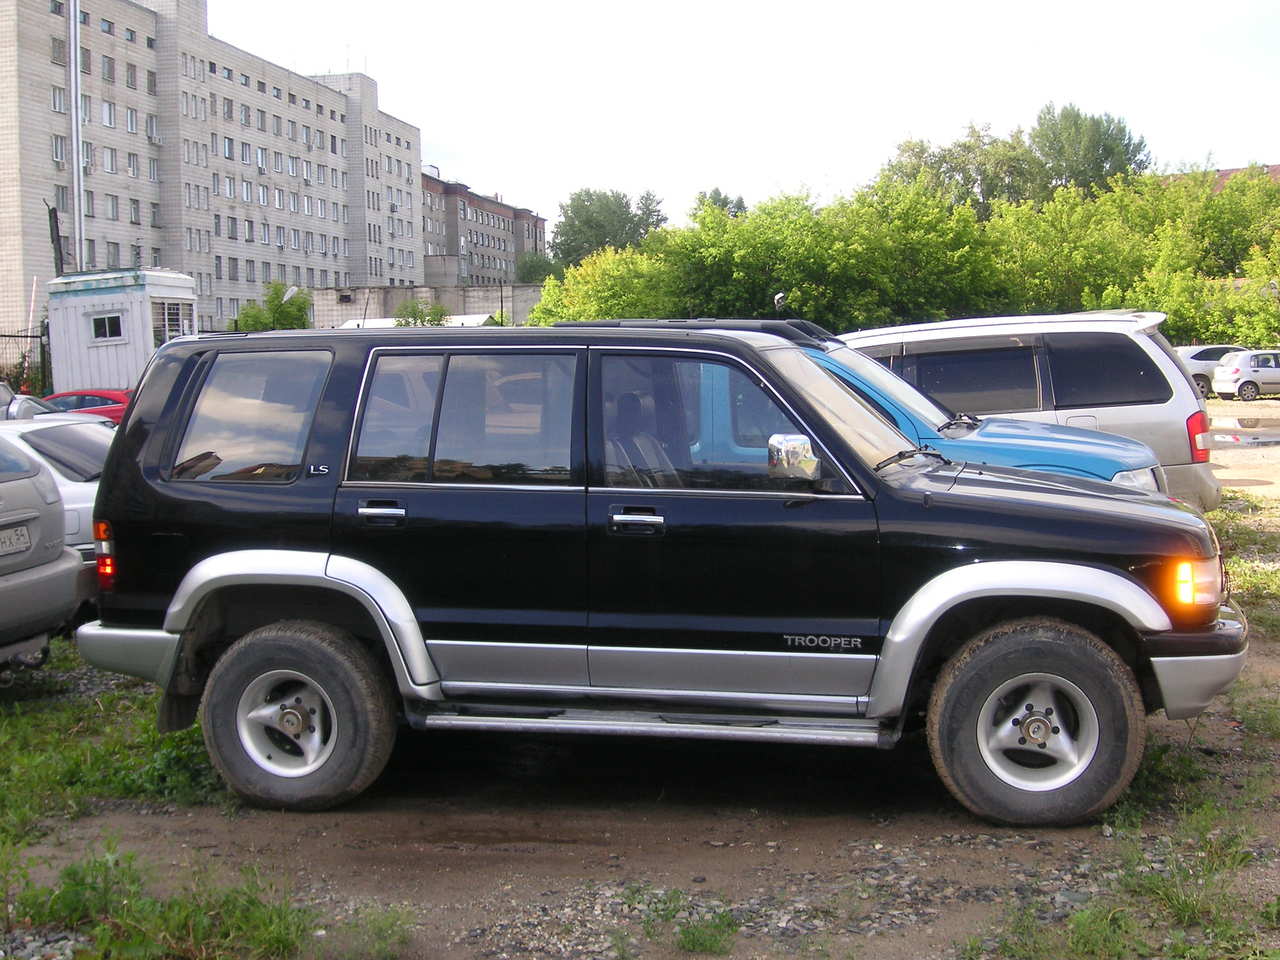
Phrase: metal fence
pixel 24 362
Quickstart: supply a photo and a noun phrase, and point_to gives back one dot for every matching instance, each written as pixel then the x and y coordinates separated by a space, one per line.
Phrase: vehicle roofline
pixel 1139 319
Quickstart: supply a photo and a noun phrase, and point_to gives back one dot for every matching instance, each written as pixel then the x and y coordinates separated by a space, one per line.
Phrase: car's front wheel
pixel 1036 721
pixel 298 714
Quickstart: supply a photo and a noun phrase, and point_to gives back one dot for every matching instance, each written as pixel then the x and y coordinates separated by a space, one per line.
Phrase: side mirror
pixel 791 457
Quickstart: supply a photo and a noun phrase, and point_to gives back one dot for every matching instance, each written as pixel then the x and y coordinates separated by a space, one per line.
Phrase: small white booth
pixel 104 325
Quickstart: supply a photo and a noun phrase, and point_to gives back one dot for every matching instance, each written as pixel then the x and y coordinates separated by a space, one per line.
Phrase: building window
pixel 275 92
pixel 59 148
pixel 113 255
pixel 244 79
pixel 151 82
pixel 59 100
pixel 135 211
pixel 131 161
pixel 233 268
pixel 131 119
pixel 155 215
pixel 131 35
pixel 155 256
pixel 108 69
pixel 61 197
pixel 108 113
pixel 107 328
pixel 88 203
pixel 86 61
pixel 58 50
pixel 153 169
pixel 151 43
pixel 131 76
pixel 55 6
pixel 113 206
pixel 90 254
pixel 109 159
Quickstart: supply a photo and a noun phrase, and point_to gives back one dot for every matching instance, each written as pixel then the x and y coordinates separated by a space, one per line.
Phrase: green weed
pixel 1104 933
pixel 714 935
pixel 379 933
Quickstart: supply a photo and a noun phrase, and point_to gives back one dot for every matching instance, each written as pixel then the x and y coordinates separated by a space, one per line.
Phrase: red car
pixel 105 403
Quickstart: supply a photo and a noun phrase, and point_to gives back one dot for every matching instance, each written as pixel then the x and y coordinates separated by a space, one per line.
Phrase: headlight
pixel 1198 582
pixel 1144 479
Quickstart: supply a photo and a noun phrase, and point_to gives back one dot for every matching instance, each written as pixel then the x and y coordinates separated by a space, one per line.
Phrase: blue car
pixel 1000 441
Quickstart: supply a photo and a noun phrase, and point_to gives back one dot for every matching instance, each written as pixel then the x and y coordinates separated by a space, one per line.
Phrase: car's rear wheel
pixel 1036 721
pixel 298 714
pixel 1247 391
pixel 1203 384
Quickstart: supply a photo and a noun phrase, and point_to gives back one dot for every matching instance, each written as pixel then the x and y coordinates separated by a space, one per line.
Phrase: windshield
pixel 870 436
pixel 880 378
pixel 76 450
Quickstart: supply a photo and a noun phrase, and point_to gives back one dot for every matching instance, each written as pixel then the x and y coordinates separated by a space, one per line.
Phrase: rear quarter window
pixel 252 417
pixel 13 465
pixel 1102 370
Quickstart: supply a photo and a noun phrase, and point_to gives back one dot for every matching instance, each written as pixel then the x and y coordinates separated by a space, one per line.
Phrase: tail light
pixel 104 548
pixel 1198 436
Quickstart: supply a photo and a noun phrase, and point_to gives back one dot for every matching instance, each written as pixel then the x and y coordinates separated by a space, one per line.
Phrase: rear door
pixel 1106 381
pixel 465 487
pixel 707 576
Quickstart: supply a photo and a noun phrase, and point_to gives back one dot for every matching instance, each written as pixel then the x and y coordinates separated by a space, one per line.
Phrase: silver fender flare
pixel 999 578
pixel 415 673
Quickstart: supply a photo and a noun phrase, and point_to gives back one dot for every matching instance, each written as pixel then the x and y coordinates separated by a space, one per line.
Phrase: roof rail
pixel 795 331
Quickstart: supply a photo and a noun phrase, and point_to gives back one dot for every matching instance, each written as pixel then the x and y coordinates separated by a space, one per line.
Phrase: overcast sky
pixel 535 100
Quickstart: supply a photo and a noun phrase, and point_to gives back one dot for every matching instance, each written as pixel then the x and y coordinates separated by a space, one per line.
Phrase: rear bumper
pixel 1194 483
pixel 47 595
pixel 148 654
pixel 1193 668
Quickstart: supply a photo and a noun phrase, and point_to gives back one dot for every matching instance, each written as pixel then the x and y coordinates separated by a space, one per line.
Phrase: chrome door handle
pixel 637 519
pixel 385 513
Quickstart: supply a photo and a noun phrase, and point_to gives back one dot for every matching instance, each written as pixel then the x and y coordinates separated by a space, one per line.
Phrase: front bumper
pixel 149 654
pixel 1192 668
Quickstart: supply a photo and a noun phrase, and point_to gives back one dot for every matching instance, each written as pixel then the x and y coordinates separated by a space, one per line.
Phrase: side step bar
pixel 814 730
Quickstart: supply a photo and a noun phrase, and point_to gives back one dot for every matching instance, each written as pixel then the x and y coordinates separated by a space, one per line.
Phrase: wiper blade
pixel 908 454
pixel 960 419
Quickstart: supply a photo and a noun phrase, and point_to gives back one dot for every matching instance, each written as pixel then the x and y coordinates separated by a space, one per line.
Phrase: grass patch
pixel 713 935
pixel 105 896
pixel 1258 708
pixel 56 756
pixel 1248 530
pixel 1170 773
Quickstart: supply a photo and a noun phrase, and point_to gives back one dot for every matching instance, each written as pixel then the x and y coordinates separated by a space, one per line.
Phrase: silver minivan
pixel 1110 371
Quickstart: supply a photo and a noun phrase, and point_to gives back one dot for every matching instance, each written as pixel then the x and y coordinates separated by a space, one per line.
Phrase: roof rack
pixel 795 331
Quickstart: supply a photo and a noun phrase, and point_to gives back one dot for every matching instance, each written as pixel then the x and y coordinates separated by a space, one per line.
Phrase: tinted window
pixel 399 411
pixel 252 417
pixel 75 450
pixel 980 381
pixel 65 403
pixel 1213 353
pixel 505 418
pixel 1102 370
pixel 13 465
pixel 685 423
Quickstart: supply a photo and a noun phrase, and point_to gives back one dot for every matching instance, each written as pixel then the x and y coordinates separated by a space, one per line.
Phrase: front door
pixel 707 575
pixel 465 487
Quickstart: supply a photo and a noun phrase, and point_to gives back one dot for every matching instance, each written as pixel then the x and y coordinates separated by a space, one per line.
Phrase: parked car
pixel 1110 371
pixel 105 403
pixel 1247 375
pixel 991 440
pixel 18 406
pixel 305 535
pixel 1201 361
pixel 38 573
pixel 74 448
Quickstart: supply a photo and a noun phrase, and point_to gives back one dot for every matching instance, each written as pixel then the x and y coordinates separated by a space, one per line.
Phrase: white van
pixel 1111 371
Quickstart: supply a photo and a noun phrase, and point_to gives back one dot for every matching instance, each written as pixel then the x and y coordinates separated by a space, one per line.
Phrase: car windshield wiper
pixel 959 420
pixel 908 454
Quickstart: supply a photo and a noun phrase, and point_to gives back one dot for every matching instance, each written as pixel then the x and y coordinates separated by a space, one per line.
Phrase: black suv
pixel 307 537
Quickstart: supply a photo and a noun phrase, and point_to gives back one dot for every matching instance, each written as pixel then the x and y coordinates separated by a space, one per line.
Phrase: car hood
pixel 1063 504
pixel 1028 443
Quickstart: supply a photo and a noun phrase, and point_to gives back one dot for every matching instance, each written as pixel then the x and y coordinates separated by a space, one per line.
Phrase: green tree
pixel 978 168
pixel 1085 150
pixel 734 206
pixel 607 285
pixel 276 312
pixel 593 219
pixel 534 267
pixel 416 313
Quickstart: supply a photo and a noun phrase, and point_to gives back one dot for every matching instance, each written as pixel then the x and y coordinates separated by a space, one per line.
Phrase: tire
pixel 1247 391
pixel 310 672
pixel 1203 385
pixel 985 688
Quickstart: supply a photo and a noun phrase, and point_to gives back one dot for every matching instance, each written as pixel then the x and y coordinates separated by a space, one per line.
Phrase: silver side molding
pixel 416 676
pixel 999 578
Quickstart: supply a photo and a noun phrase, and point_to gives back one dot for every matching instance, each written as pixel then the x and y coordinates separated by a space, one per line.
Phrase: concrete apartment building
pixel 194 155
pixel 471 239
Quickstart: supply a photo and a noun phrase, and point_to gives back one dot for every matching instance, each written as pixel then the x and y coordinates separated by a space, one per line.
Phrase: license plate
pixel 14 540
